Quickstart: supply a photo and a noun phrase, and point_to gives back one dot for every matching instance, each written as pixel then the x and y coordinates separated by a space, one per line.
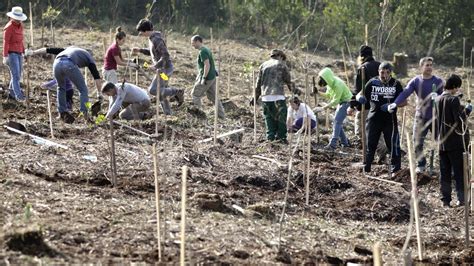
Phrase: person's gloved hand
pixel 361 99
pixel 391 107
pixel 433 95
pixel 28 52
pixel 318 109
pixel 203 81
pixel 350 111
pixel 5 60
pixel 468 108
pixel 384 107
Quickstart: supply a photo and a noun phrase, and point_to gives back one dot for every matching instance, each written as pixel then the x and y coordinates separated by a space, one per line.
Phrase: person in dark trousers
pixel 381 91
pixel 371 69
pixel 453 139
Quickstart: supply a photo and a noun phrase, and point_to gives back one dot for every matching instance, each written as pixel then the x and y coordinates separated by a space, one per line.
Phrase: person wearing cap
pixel 338 95
pixel 206 78
pixel 426 86
pixel 161 64
pixel 135 100
pixel 381 91
pixel 67 66
pixel 298 114
pixel 453 139
pixel 273 75
pixel 13 49
pixel 370 67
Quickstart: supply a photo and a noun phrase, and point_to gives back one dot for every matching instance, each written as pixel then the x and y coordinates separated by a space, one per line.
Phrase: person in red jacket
pixel 13 49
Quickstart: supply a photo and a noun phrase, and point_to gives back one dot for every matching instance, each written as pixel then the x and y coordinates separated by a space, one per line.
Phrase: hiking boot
pixel 66 117
pixel 179 96
pixel 446 204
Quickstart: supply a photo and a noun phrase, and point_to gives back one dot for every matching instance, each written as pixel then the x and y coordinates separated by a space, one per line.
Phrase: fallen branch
pixel 223 135
pixel 133 129
pixel 279 164
pixel 384 180
pixel 37 139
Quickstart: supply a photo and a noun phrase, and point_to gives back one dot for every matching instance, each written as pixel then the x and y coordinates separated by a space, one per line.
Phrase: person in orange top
pixel 13 49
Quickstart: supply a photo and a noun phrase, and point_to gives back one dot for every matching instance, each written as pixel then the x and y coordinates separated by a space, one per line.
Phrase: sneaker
pixel 179 96
pixel 348 145
pixel 459 203
pixel 420 169
pixel 329 148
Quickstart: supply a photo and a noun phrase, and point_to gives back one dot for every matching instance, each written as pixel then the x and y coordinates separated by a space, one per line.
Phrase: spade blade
pixel 95 108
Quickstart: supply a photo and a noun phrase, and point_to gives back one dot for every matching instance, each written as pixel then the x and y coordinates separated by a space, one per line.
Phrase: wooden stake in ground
pixel 183 216
pixel 31 26
pixel 308 133
pixel 377 253
pixel 158 87
pixel 414 195
pixel 328 124
pixel 345 66
pixel 49 114
pixel 27 64
pixel 216 109
pixel 211 37
pixel 136 71
pixel 362 113
pixel 254 108
pixel 157 199
pixel 315 94
pixel 366 34
pixel 229 73
pixel 112 154
pixel 466 195
pixel 472 174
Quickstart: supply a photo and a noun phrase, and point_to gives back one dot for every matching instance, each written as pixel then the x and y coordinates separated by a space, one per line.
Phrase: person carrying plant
pixel 206 79
pixel 161 65
pixel 453 139
pixel 273 75
pixel 338 95
pixel 135 100
pixel 423 86
pixel 381 91
pixel 66 67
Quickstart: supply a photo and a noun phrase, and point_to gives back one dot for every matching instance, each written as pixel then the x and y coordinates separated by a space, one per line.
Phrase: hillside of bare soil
pixel 59 206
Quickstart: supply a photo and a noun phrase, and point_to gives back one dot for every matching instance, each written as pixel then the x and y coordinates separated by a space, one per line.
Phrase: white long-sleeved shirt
pixel 302 111
pixel 128 94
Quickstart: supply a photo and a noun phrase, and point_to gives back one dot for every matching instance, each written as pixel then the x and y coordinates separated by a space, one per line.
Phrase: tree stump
pixel 400 64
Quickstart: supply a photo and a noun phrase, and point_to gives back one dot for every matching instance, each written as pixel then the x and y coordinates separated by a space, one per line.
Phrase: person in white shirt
pixel 297 113
pixel 135 100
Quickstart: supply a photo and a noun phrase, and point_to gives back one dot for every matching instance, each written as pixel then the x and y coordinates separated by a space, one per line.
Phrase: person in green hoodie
pixel 338 95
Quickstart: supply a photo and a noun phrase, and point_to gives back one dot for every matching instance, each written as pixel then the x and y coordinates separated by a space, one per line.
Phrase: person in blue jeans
pixel 298 114
pixel 426 86
pixel 13 49
pixel 338 95
pixel 67 66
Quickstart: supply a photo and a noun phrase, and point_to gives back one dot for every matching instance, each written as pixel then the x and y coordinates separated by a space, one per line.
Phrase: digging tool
pixel 433 128
pixel 157 198
pixel 466 195
pixel 96 107
pixel 362 112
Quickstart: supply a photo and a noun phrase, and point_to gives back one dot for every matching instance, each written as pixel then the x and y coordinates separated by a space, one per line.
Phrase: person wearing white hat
pixel 13 49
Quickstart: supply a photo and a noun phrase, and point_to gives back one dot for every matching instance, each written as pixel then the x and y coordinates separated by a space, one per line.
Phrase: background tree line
pixel 417 27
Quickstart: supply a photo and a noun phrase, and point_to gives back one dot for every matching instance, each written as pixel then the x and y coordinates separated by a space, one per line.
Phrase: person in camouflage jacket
pixel 272 77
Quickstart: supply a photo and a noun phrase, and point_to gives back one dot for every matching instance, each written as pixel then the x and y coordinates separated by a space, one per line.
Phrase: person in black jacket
pixel 381 91
pixel 453 139
pixel 371 68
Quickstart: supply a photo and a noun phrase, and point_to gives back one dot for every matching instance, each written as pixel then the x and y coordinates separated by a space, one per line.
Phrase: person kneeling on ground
pixel 382 118
pixel 453 140
pixel 135 100
pixel 298 113
pixel 339 94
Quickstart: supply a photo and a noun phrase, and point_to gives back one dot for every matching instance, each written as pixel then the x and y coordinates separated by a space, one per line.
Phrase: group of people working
pixel 375 99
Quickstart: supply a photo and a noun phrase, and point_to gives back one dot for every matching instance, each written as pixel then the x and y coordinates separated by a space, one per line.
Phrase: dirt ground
pixel 58 205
